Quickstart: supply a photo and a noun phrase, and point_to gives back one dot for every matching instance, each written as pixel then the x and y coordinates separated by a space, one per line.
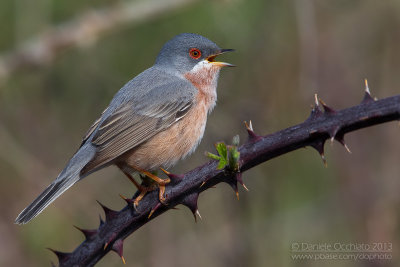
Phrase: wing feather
pixel 130 125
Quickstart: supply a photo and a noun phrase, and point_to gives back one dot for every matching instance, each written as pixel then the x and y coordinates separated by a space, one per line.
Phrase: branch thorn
pixel 109 213
pixel 250 132
pixel 198 214
pixel 240 180
pixel 86 232
pixel 175 178
pixel 60 255
pixel 340 139
pixel 127 200
pixel 319 146
pixel 118 247
pixel 327 109
pixel 315 110
pixel 367 95
pixel 367 87
pixel 190 201
pixel 156 207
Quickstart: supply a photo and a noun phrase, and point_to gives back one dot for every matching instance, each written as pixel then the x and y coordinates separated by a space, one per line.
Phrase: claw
pixel 161 195
pixel 143 190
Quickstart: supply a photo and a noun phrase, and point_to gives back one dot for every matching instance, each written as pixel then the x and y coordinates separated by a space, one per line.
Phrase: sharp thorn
pixel 150 214
pixel 156 207
pixel 60 255
pixel 127 200
pixel 315 110
pixel 105 246
pixel 319 146
pixel 198 214
pixel 203 183
pixel 327 109
pixel 173 177
pixel 251 134
pixel 324 160
pixel 245 187
pixel 238 177
pixel 249 126
pixel 87 233
pixel 340 139
pixel 108 212
pixel 366 87
pixel 347 148
pixel 232 181
pixel 367 95
pixel 118 247
pixel 190 201
pixel 332 139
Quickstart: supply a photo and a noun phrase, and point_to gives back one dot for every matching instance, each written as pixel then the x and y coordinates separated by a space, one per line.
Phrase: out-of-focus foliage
pixel 286 52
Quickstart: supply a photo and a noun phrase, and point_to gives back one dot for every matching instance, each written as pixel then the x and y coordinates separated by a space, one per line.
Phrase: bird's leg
pixel 143 190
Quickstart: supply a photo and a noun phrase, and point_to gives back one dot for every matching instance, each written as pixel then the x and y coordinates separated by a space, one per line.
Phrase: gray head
pixel 186 50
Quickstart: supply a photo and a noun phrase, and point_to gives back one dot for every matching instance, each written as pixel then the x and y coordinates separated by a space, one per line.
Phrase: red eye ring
pixel 194 53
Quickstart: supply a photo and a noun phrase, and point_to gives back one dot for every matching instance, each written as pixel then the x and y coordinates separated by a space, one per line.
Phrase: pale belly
pixel 169 146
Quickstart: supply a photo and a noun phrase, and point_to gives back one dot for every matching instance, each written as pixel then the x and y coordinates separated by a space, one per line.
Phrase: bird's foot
pixel 160 183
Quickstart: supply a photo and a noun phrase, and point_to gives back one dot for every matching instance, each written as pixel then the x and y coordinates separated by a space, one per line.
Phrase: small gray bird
pixel 155 120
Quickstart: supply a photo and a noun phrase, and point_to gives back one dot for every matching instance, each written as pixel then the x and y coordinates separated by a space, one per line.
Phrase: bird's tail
pixel 69 176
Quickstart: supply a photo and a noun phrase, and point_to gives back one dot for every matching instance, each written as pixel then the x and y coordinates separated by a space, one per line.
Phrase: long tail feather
pixel 68 177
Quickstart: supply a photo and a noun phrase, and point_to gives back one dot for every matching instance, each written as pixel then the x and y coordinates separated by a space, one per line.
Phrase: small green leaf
pixel 212 156
pixel 222 163
pixel 222 150
pixel 234 156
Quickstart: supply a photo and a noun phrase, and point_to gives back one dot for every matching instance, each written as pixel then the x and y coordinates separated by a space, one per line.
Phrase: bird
pixel 152 122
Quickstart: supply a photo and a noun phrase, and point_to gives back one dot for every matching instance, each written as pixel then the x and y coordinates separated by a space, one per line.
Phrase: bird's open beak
pixel 211 59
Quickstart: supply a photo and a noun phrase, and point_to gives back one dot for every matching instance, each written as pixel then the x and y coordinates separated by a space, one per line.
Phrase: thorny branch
pixel 323 123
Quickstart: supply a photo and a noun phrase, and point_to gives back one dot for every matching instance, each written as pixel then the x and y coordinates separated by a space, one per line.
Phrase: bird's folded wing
pixel 130 125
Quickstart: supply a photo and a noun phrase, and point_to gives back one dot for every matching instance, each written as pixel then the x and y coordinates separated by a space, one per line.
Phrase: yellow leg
pixel 156 179
pixel 143 190
pixel 161 183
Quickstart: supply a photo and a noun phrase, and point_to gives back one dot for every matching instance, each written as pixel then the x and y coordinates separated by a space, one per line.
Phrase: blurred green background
pixel 286 51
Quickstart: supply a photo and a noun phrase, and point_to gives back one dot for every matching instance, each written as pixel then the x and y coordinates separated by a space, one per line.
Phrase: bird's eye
pixel 195 53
